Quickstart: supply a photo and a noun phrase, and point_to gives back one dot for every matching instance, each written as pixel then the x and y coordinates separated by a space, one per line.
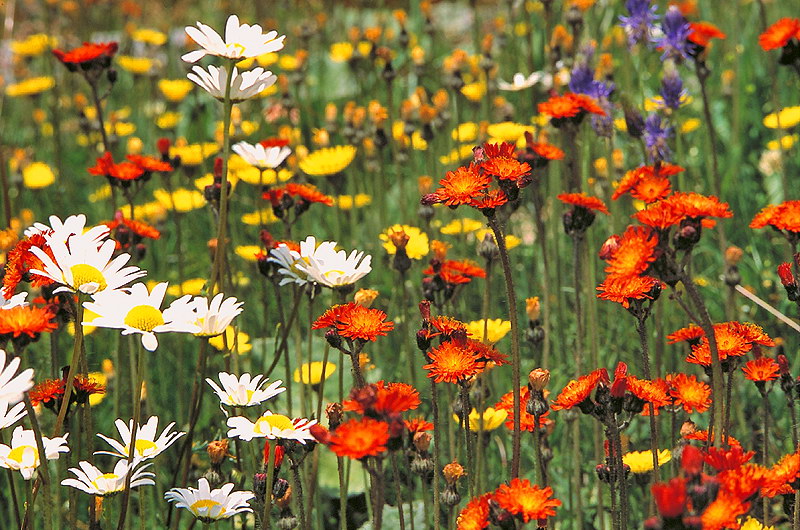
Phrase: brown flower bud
pixel 453 471
pixel 533 308
pixel 399 238
pixel 422 441
pixel 539 378
pixel 609 247
pixel 688 428
pixel 217 451
pixel 365 297
pixel 334 412
pixel 733 254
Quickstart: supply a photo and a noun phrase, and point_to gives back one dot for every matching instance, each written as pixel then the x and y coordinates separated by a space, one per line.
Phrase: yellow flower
pixel 169 120
pixel 288 62
pixel 341 52
pixel 193 286
pixel 466 132
pixel 135 65
pixel 511 240
pixel 346 202
pixel 492 419
pixel 463 152
pixel 254 218
pixel 252 175
pixel 642 461
pixel 37 175
pixel 208 179
pixel 120 128
pixel 239 342
pixel 474 91
pixel 245 64
pixel 621 124
pixel 182 200
pixel 364 48
pixel 88 316
pixel 417 246
pixel 193 154
pixel 461 226
pixel 692 124
pixel 657 102
pixel 267 59
pixel 152 211
pixel 30 87
pixel 508 131
pixel 496 329
pixel 754 524
pixel 786 142
pixel 149 36
pixel 175 90
pixel 100 378
pixel 788 117
pixel 248 252
pixel 311 373
pixel 328 161
pixel 33 45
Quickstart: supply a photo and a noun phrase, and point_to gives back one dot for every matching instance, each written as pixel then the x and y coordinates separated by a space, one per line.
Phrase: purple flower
pixel 640 22
pixel 582 81
pixel 672 89
pixel 676 30
pixel 656 136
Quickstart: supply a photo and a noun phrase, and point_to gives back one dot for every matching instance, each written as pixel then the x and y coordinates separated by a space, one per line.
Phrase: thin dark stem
pixel 437 440
pixel 398 492
pixel 77 350
pixel 137 369
pixel 641 328
pixel 298 490
pixel 765 451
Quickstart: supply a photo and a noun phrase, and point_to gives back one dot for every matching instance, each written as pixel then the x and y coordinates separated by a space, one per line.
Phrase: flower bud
pixel 365 297
pixel 422 441
pixel 334 413
pixel 538 379
pixel 452 472
pixel 609 247
pixel 732 255
pixel 533 308
pixel 217 451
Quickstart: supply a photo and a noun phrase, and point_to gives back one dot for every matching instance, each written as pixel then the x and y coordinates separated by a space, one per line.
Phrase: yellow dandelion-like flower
pixel 328 161
pixel 474 91
pixel 456 156
pixel 265 216
pixel 754 524
pixel 512 241
pixel 341 52
pixel 508 131
pixel 312 374
pixel 492 419
pixel 461 226
pixel 267 59
pixel 348 202
pixel 175 90
pixel 692 124
pixel 417 246
pixel 786 142
pixel 466 132
pixel 37 175
pixel 101 379
pixel 238 341
pixel 30 87
pixel 248 252
pixel 169 120
pixel 182 200
pixel 120 128
pixel 135 65
pixel 33 45
pixel 151 211
pixel 288 62
pixel 642 461
pixel 252 175
pixel 192 286
pixel 149 36
pixel 193 154
pixel 496 329
pixel 786 118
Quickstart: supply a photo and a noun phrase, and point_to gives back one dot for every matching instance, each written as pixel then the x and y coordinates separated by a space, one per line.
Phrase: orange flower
pixel 723 513
pixel 660 215
pixel 389 399
pixel 490 200
pixel 702 436
pixel 691 333
pixel 354 321
pixel 727 459
pixel 415 425
pixel 90 51
pixel 784 216
pixel 26 320
pixel 150 164
pixel 570 106
pixel 506 168
pixel 527 421
pixel 584 201
pixel 47 391
pixel 85 386
pixel 578 391
pixel 648 391
pixel 734 339
pixel 670 497
pixel 462 186
pixel 308 193
pixel 779 34
pixel 530 502
pixel 744 481
pixel 632 178
pixel 20 260
pixel 359 438
pixel 124 171
pixel 761 370
pixel 546 151
pixel 451 363
pixel 447 325
pixel 475 514
pixel 782 475
pixel 623 289
pixel 702 32
pixel 689 393
pixel 696 205
pixel 634 253
pixel 138 228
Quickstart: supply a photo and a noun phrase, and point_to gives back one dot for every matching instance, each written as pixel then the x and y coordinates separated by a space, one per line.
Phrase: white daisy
pixel 262 157
pixel 83 267
pixel 12 302
pixel 271 426
pixel 244 85
pixel 62 230
pixel 244 391
pixel 147 446
pixel 212 319
pixel 23 455
pixel 211 505
pixel 327 266
pixel 12 387
pixel 135 310
pixel 9 417
pixel 91 480
pixel 286 259
pixel 241 41
pixel 521 82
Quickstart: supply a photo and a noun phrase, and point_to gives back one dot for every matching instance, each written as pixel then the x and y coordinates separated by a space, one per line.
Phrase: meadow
pixel 400 265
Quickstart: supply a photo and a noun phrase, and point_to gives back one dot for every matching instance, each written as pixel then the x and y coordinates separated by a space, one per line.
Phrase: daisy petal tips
pixel 241 41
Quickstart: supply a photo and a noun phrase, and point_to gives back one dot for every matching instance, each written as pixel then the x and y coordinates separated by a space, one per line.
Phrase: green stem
pixel 266 521
pixel 77 349
pixel 43 470
pixel 137 369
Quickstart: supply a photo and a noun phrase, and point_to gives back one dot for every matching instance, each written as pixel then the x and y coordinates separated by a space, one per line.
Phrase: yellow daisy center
pixel 83 274
pixel 144 317
pixel 266 424
pixel 236 47
pixel 104 476
pixel 18 453
pixel 206 504
pixel 143 447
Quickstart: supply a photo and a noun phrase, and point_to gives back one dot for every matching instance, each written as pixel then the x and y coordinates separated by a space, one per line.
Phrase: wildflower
pixel 359 438
pixel 312 373
pixel 91 480
pixel 23 454
pixel 9 417
pixel 49 392
pixel 146 445
pixel 33 45
pixel 582 214
pixel 785 118
pixel 462 186
pixel 639 23
pixel 761 370
pixel 209 505
pixel 24 324
pixel 623 289
pixel 383 399
pixel 490 420
pixel 676 31
pixel 670 497
pixel 244 391
pixel 688 392
pixel 232 340
pixel 527 501
pixel 135 65
pixel 89 56
pixel 634 252
pixel 642 461
pixel 181 199
pixel 578 391
pixel 30 87
pixel 521 81
pixel 211 317
pixel 365 297
pixel 417 245
pixel 656 137
pixel 149 36
pixel 174 90
pixel 496 329
pixel 243 86
pixel 475 514
pixel 584 201
pixel 241 41
pixel 135 310
pixel 451 363
pixel 356 322
pixel 723 512
pixel 701 33
pixel 12 385
pixel 327 161
pixel 321 263
pixel 271 426
pixel 672 90
pixel 779 34
pixel 262 157
pixel 569 108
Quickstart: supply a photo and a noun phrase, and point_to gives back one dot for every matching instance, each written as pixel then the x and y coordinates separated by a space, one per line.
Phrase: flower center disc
pixel 144 317
pixel 18 454
pixel 273 421
pixel 83 274
pixel 104 476
pixel 144 447
pixel 206 505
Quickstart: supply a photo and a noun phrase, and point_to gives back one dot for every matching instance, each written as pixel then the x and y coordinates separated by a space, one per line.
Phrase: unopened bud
pixel 365 297
pixel 609 247
pixel 217 451
pixel 533 308
pixel 334 412
pixel 453 471
pixel 422 441
pixel 538 379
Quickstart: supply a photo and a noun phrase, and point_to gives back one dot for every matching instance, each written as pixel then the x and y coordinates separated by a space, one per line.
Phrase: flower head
pixel 354 321
pixel 527 501
pixel 417 245
pixel 262 157
pixel 313 373
pixel 359 438
pixel 211 505
pixel 22 454
pixel 640 20
pixel 271 426
pixel 87 56
pixel 675 34
pixel 12 385
pixel 780 34
pixel 689 393
pixel 243 86
pixel 244 391
pixel 761 370
pixel 146 445
pixel 91 480
pixel 328 161
pixel 212 318
pixel 451 363
pixel 241 41
pixel 642 461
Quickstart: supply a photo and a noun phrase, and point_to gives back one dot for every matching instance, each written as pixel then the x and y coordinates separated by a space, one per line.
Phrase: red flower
pixel 475 515
pixel 786 275
pixel 415 425
pixel 360 438
pixel 26 320
pixel 389 399
pixel 726 459
pixel 670 498
pixel 784 216
pixel 451 363
pixel 584 201
pixel 623 289
pixel 688 392
pixel 88 53
pixel 47 391
pixel 528 501
pixel 462 186
pixel 354 321
pixel 779 34
pixel 308 193
pixel 578 391
pixel 761 370
pixel 702 32
pixel 634 252
pixel 691 333
pixel 149 163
